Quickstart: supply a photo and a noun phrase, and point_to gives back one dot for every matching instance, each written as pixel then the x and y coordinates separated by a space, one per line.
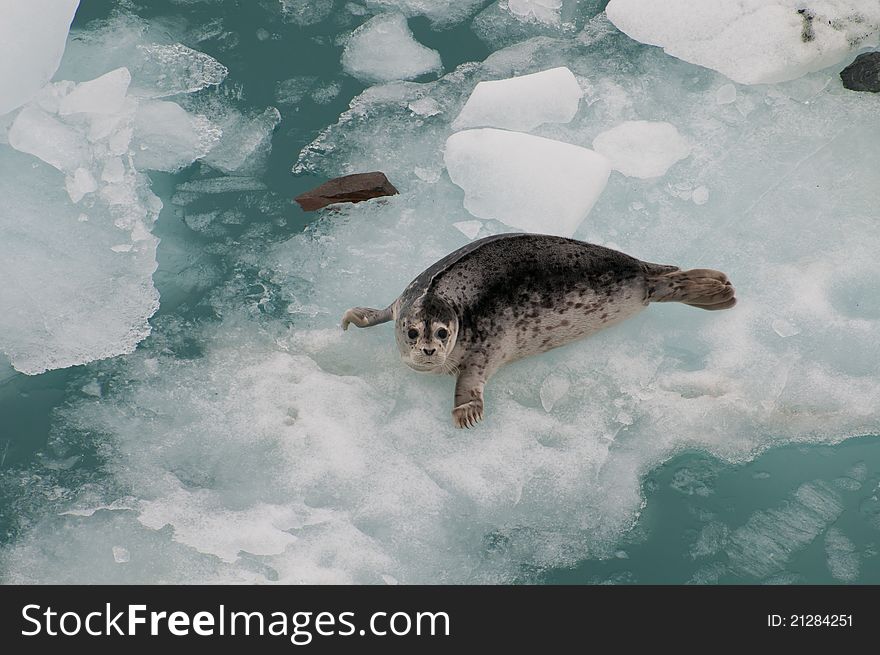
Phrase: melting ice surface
pixel 280 448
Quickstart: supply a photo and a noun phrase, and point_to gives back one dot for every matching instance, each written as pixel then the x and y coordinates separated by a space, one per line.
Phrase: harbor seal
pixel 509 296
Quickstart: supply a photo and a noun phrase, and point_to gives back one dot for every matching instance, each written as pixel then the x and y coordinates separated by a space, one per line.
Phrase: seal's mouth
pixel 424 364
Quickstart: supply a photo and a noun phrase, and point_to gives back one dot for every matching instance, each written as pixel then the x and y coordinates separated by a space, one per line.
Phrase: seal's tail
pixel 699 287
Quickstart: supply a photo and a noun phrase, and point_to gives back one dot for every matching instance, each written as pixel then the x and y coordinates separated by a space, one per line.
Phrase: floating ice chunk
pixel 157 68
pixel 710 540
pixel 522 103
pixel 326 93
pixel 5 123
pixel 40 134
pixel 104 95
pixel 525 181
pixel 168 138
pixel 553 389
pixel 92 388
pixel 87 508
pixel 700 196
pixel 784 329
pixel 383 49
pixel 169 69
pixel 425 107
pixel 768 540
pixel 440 12
pixel 68 298
pixel 264 530
pixel 642 148
pixel 79 184
pixel 752 41
pixel 306 12
pixel 544 11
pixel 505 23
pixel 725 94
pixel 293 90
pixel 222 185
pixel 121 555
pixel 32 39
pixel 428 174
pixel 245 142
pixel 469 228
pixel 841 556
pixel 113 171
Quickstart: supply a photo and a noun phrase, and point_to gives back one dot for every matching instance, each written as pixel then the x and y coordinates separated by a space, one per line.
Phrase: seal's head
pixel 426 333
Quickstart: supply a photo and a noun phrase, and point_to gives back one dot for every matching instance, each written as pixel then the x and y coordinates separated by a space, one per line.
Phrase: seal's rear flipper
pixel 366 316
pixel 699 287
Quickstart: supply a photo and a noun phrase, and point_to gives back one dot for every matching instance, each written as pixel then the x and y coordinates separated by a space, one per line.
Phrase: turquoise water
pixel 701 516
pixel 695 504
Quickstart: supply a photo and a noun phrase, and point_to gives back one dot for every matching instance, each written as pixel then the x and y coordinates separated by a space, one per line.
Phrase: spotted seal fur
pixel 510 296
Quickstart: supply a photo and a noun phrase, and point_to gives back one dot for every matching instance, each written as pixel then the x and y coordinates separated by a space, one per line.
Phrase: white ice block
pixel 642 148
pixel 383 49
pixel 527 182
pixel 522 103
pixel 32 38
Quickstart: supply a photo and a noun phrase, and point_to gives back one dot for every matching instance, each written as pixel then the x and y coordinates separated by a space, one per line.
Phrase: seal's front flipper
pixel 468 409
pixel 366 316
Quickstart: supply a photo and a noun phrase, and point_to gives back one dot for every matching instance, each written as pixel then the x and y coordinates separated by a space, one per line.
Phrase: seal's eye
pixel 413 333
pixel 442 333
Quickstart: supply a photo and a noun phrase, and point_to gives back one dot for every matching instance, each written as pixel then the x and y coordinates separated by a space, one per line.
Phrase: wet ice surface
pixel 249 439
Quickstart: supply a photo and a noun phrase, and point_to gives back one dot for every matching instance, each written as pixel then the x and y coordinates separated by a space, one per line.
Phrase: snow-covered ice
pixel 752 41
pixel 642 149
pixel 522 103
pixel 524 181
pixel 383 49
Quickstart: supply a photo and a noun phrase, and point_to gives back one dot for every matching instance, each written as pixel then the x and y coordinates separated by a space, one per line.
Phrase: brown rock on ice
pixel 349 188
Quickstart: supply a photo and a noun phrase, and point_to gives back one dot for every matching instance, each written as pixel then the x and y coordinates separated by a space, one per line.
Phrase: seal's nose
pixel 429 351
